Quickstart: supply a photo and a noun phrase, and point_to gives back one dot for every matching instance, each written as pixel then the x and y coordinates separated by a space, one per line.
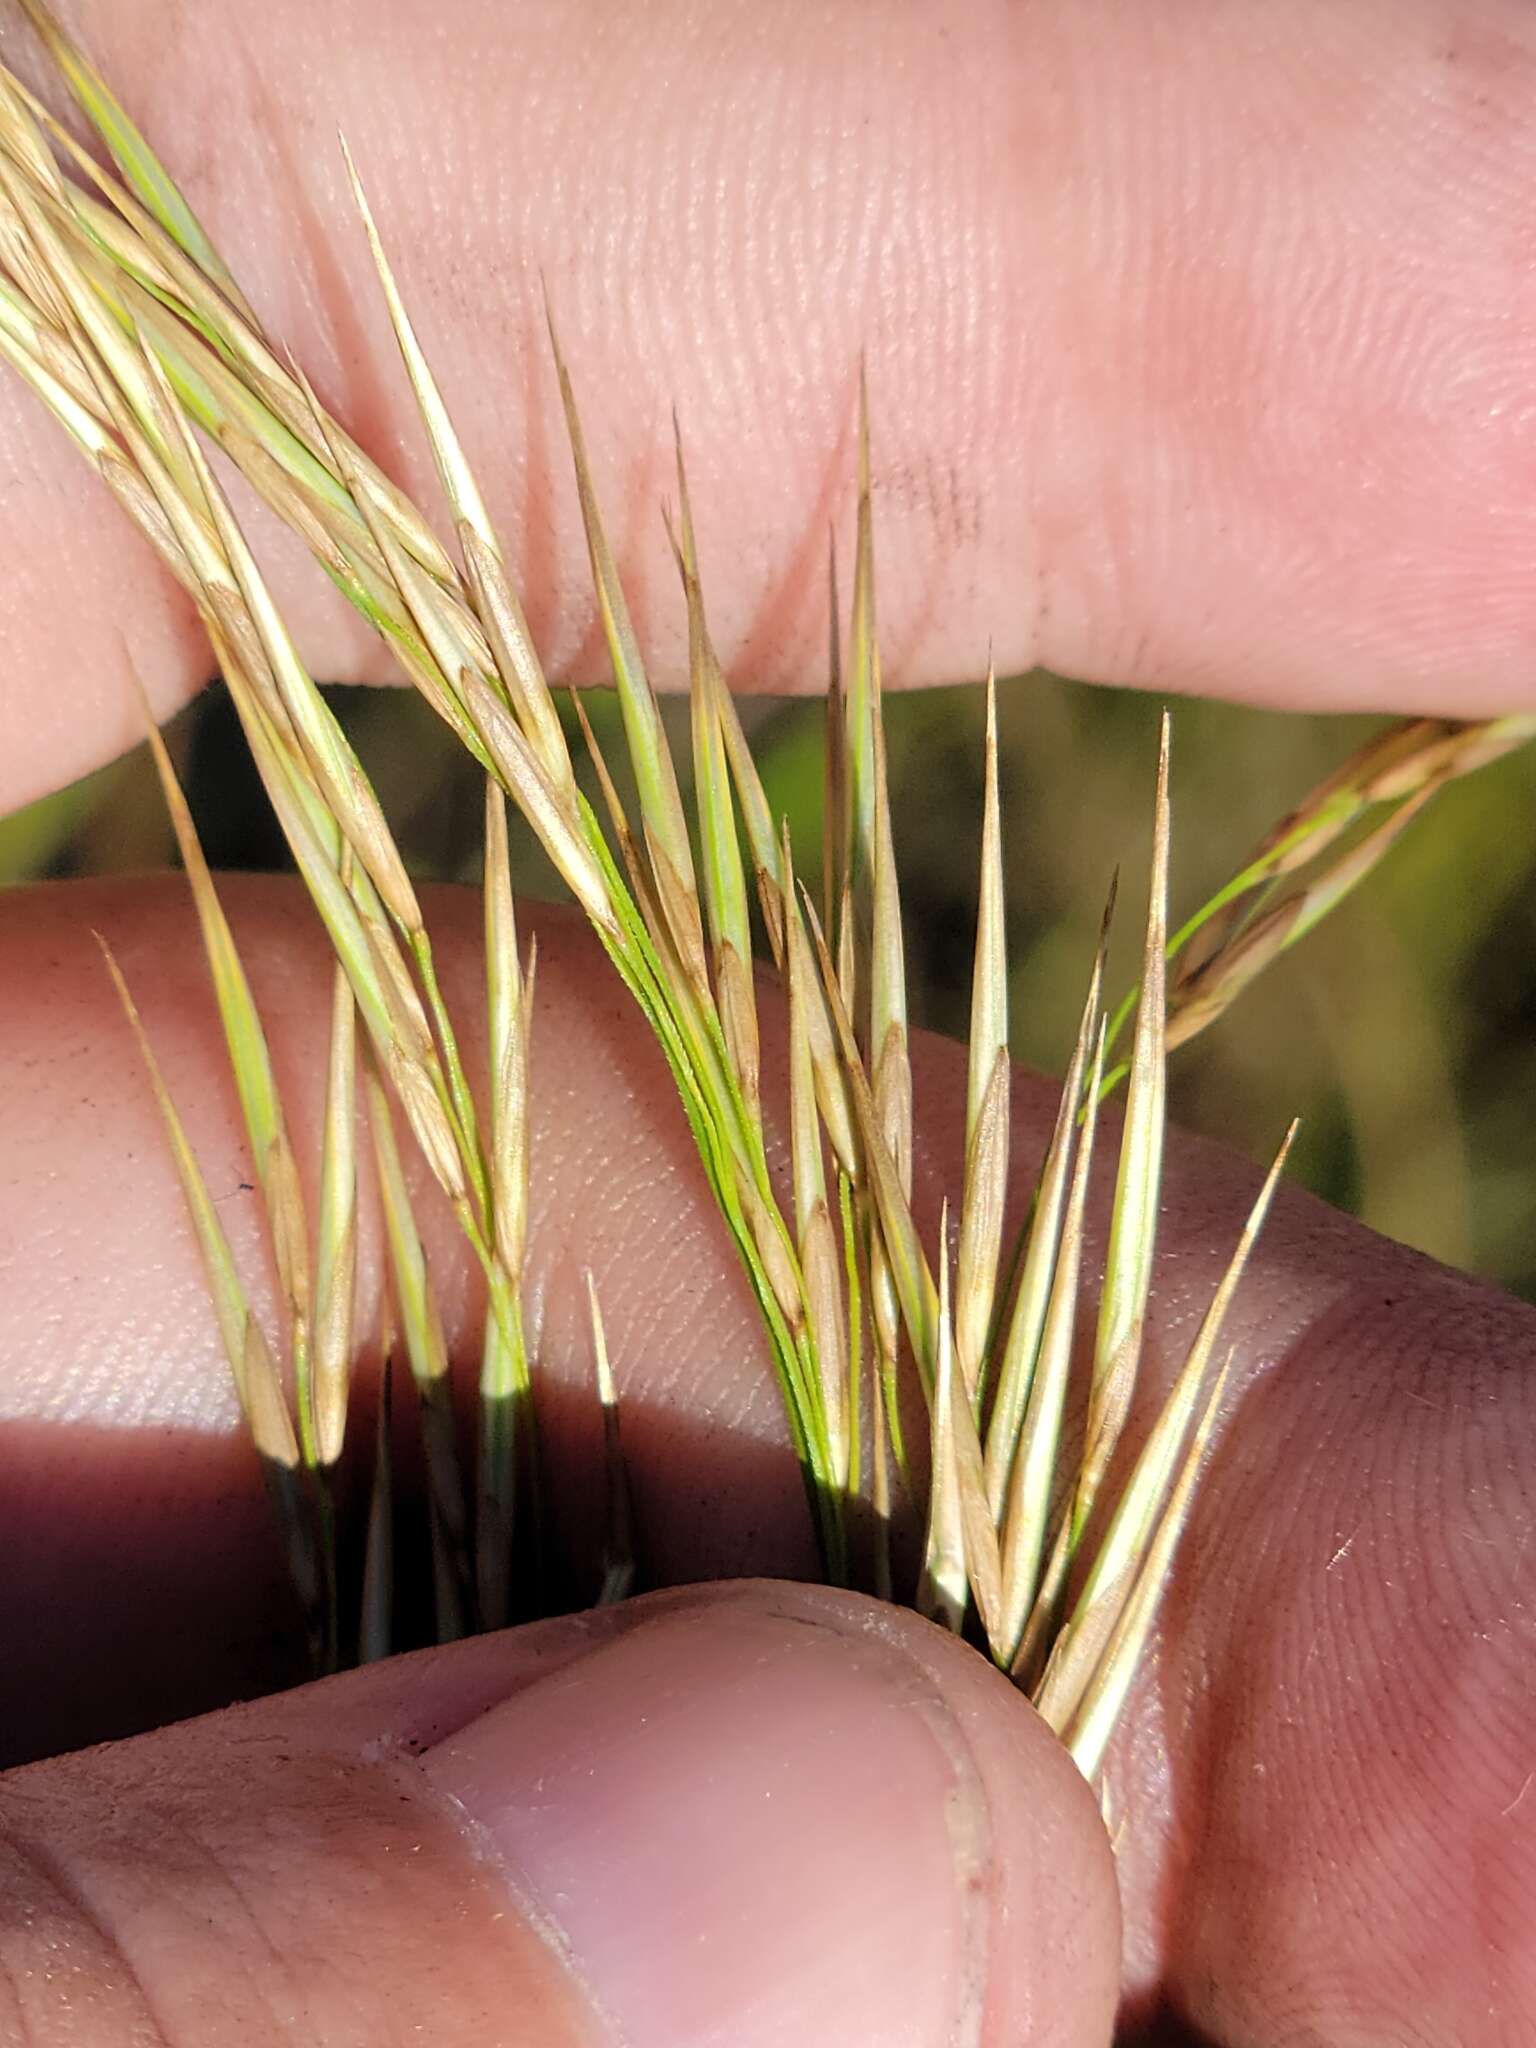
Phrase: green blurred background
pixel 1401 1031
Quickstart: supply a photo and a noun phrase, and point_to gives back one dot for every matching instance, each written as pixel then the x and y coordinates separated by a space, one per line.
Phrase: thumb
pixel 756 1814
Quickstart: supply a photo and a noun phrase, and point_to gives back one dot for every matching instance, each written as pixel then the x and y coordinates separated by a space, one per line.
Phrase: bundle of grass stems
pixel 122 317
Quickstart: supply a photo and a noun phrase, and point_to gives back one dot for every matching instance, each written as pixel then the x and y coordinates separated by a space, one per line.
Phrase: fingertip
pixel 767 1813
pixel 753 1813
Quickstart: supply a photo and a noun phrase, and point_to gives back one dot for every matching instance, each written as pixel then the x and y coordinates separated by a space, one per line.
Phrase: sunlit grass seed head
pixel 123 319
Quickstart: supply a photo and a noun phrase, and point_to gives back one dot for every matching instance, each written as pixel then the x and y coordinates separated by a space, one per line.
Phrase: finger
pixel 1326 1781
pixel 768 1815
pixel 1200 351
pixel 1320 1785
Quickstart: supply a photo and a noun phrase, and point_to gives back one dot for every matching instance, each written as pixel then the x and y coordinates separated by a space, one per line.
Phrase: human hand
pixel 1323 1782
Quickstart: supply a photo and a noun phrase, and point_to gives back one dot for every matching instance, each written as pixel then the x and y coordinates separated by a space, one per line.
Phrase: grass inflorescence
pixel 121 315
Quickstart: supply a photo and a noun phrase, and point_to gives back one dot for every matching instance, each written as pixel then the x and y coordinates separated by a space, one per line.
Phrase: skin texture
pixel 1201 357
pixel 1318 1796
pixel 1200 349
pixel 453 1848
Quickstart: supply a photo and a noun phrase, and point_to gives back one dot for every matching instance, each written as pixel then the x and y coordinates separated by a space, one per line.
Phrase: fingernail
pixel 742 1822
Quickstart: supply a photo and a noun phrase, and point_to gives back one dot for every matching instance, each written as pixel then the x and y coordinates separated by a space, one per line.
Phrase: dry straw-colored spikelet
pixel 122 317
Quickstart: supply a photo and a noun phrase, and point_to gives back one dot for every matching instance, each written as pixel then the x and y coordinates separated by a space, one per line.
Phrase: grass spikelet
pixel 961 1558
pixel 240 615
pixel 77 411
pixel 510 991
pixel 51 353
pixel 1031 1481
pixel 944 1592
pixel 988 1092
pixel 516 663
pixel 1199 998
pixel 508 1459
pixel 757 822
pixel 837 800
pixel 505 1454
pixel 1405 767
pixel 130 152
pixel 1087 1734
pixel 725 881
pixel 891 1065
pixel 318 1293
pixel 336 770
pixel 890 1081
pixel 24 140
pixel 336 1230
pixel 521 774
pixel 618 1548
pixel 319 1310
pixel 661 804
pixel 911 1279
pixel 250 1059
pixel 250 1362
pixel 458 480
pixel 1041 1251
pixel 419 1321
pixel 70 272
pixel 36 315
pixel 819 1256
pixel 379 980
pixel 252 1369
pixel 1133 1225
pixel 834 1098
pixel 1128 1542
pixel 863 680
